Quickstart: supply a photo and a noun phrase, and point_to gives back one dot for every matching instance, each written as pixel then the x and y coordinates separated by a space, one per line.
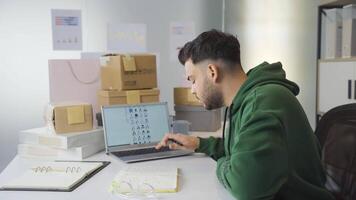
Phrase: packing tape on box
pixel 133 97
pixel 75 115
pixel 129 63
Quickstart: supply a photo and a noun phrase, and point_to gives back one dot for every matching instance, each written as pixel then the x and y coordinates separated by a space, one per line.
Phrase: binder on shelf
pixel 333 33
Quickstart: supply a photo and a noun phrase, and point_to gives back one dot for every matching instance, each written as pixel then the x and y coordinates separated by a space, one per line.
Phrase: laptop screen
pixel 135 124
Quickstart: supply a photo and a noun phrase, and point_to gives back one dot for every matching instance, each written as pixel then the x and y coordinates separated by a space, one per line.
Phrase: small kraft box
pixel 200 118
pixel 184 96
pixel 72 118
pixel 112 97
pixel 128 72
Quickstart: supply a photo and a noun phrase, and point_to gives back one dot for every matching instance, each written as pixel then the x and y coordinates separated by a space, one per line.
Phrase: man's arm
pixel 258 165
pixel 213 147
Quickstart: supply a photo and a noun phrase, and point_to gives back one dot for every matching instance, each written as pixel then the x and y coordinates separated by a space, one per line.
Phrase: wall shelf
pixel 336 77
pixel 337 59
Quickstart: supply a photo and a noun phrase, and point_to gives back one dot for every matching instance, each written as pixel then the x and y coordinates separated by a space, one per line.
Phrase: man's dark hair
pixel 213 45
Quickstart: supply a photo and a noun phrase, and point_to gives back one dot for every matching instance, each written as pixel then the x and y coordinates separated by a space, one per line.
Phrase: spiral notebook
pixel 55 176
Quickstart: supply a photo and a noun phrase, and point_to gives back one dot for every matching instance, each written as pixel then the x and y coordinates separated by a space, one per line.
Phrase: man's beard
pixel 212 97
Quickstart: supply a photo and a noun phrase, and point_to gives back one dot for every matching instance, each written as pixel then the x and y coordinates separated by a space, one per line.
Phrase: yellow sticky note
pixel 129 63
pixel 133 97
pixel 75 114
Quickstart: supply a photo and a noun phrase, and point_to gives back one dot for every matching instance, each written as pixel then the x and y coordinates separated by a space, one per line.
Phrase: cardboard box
pixel 72 118
pixel 200 118
pixel 184 96
pixel 128 72
pixel 112 97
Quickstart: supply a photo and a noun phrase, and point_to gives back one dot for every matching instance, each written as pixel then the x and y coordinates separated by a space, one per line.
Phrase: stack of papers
pixel 40 143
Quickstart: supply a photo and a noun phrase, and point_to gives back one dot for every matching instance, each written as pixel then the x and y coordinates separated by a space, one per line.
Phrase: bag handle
pixel 76 77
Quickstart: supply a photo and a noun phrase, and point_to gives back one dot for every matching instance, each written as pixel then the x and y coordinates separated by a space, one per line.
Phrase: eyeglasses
pixel 127 190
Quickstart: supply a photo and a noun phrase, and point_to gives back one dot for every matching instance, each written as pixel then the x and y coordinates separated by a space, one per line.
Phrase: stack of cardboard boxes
pixel 188 107
pixel 128 79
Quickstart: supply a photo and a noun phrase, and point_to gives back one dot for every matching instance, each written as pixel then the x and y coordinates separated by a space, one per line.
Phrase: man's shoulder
pixel 272 91
pixel 268 96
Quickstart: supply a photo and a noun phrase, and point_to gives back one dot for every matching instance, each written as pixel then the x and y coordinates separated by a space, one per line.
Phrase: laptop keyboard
pixel 141 151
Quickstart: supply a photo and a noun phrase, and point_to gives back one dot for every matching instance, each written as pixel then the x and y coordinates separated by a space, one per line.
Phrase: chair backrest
pixel 336 131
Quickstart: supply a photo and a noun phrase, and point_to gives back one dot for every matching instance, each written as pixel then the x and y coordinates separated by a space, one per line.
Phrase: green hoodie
pixel 269 150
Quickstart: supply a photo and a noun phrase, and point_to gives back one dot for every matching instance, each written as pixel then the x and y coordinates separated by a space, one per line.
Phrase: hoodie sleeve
pixel 213 147
pixel 251 172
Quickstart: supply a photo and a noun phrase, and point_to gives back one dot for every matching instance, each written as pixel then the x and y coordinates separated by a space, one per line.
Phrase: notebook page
pixel 162 179
pixel 53 175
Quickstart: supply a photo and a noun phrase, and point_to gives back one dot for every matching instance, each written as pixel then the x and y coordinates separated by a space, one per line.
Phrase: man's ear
pixel 214 73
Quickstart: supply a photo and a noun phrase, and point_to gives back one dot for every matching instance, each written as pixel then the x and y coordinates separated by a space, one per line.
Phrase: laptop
pixel 132 131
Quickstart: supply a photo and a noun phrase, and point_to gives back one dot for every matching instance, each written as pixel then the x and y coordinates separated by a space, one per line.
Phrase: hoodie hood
pixel 262 74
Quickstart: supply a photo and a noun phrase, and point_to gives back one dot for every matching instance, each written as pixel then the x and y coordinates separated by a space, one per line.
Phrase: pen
pixel 174 141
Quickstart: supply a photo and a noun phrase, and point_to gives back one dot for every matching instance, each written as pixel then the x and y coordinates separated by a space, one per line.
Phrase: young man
pixel 268 151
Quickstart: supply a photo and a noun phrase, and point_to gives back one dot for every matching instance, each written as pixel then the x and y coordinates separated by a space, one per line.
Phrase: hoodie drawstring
pixel 223 133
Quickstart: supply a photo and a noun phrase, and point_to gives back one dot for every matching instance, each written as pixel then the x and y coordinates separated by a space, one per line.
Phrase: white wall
pixel 25 47
pixel 279 30
pixel 269 30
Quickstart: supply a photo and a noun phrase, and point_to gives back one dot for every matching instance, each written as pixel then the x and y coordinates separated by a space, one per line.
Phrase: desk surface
pixel 197 180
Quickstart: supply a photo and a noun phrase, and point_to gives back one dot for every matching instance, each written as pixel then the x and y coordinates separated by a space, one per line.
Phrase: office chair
pixel 336 132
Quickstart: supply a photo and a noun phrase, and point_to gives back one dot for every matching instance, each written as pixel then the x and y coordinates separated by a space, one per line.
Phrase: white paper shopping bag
pixel 74 81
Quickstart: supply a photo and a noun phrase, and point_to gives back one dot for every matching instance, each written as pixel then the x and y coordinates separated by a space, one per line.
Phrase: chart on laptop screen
pixel 137 124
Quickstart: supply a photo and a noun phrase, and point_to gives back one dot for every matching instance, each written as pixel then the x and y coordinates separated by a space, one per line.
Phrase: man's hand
pixel 186 141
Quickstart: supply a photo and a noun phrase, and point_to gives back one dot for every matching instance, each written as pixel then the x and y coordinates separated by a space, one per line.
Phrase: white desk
pixel 197 180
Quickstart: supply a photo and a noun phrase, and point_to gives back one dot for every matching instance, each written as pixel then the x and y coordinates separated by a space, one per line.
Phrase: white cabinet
pixel 336 84
pixel 336 77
